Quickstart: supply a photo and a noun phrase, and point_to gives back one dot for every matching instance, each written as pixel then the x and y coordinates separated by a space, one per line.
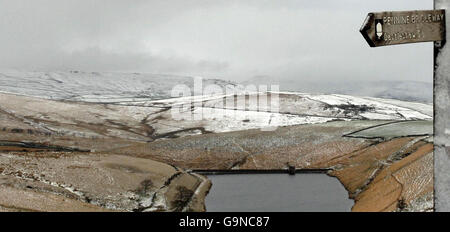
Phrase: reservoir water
pixel 277 192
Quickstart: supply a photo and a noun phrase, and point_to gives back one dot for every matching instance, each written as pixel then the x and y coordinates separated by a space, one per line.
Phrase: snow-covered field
pixel 218 115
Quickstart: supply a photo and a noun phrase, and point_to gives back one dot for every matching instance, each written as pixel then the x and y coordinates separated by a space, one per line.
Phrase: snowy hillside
pixel 146 98
pixel 95 87
pixel 221 115
pixel 124 87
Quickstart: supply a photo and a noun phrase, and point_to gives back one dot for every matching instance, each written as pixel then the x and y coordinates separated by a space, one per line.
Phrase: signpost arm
pixel 442 116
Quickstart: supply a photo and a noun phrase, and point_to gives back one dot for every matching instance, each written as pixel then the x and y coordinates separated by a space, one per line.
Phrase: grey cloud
pixel 231 39
pixel 96 59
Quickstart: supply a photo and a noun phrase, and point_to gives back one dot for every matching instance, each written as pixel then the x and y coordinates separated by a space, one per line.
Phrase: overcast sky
pixel 229 39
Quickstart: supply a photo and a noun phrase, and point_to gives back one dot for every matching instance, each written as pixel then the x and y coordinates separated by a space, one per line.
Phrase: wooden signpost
pixel 400 27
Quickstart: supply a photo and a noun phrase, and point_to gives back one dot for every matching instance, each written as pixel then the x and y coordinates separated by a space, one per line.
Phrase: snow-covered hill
pixel 95 87
pixel 123 87
pixel 219 114
pixel 145 99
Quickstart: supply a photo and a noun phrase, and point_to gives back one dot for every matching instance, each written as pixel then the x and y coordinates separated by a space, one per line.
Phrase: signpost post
pixel 442 118
pixel 402 27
